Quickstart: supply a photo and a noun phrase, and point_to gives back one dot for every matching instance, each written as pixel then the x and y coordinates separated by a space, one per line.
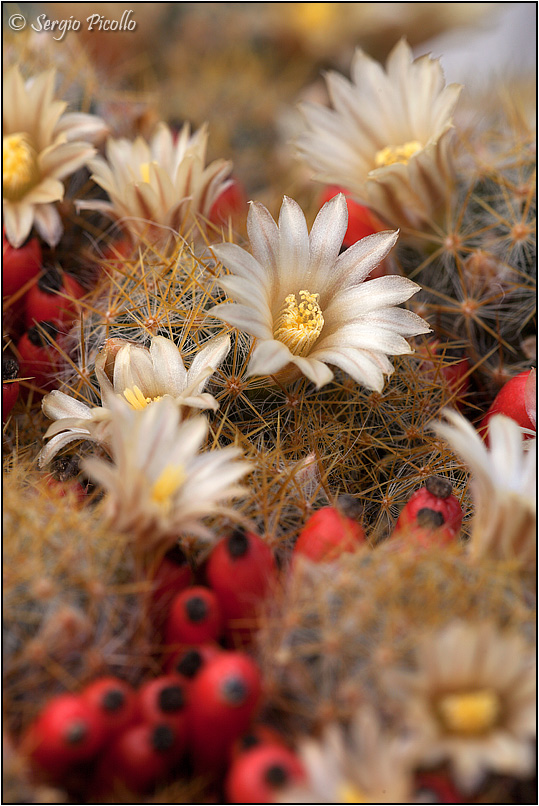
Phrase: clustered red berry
pixel 517 399
pixel 40 304
pixel 432 514
pixel 199 708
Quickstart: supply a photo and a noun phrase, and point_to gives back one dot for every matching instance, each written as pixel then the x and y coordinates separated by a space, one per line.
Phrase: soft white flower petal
pixel 202 400
pixel 48 190
pixel 314 369
pixel 212 355
pixel 57 405
pixel 18 220
pixel 406 323
pixel 382 292
pixel 48 223
pixel 244 318
pixel 80 126
pixel 326 237
pixel 60 441
pixel 357 262
pixel 264 236
pixel 134 367
pixel 240 262
pixel 293 244
pixel 364 336
pixel 246 292
pixel 358 364
pixel 61 161
pixel 169 372
pixel 268 357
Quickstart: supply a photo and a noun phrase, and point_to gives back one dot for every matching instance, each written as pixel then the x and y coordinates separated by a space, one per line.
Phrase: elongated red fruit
pixel 329 532
pixel 517 399
pixel 53 298
pixel 19 265
pixel 67 731
pixel 260 775
pixel 432 507
pixel 223 701
pixel 241 570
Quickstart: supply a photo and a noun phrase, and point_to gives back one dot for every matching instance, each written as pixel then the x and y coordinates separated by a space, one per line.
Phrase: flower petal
pixel 356 263
pixel 48 223
pixel 170 376
pixel 293 261
pixel 212 355
pixel 268 357
pixel 264 236
pixel 59 441
pixel 57 405
pixel 241 263
pixel 18 220
pixel 327 235
pixel 244 318
pixel 317 372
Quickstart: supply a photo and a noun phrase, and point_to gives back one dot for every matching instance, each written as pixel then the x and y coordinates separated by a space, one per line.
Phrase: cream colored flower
pixel 40 147
pixel 159 188
pixel 160 488
pixel 387 140
pixel 371 765
pixel 503 486
pixel 307 305
pixel 474 693
pixel 140 376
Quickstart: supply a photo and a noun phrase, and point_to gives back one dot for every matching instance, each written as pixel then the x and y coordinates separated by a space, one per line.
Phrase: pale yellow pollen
pixel 299 326
pixel 392 154
pixel 19 165
pixel 348 793
pixel 166 485
pixel 136 398
pixel 470 713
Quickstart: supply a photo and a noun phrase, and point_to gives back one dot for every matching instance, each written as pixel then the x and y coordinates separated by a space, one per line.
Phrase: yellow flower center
pixel 299 326
pixel 470 713
pixel 166 485
pixel 348 793
pixel 392 154
pixel 19 164
pixel 136 399
pixel 145 172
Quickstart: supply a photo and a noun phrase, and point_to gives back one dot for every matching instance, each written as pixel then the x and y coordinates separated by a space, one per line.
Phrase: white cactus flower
pixel 162 187
pixel 503 486
pixel 140 376
pixel 159 487
pixel 369 765
pixel 473 692
pixel 307 305
pixel 388 138
pixel 41 146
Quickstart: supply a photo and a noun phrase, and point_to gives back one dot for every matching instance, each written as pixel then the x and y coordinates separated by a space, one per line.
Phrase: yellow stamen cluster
pixel 470 713
pixel 299 326
pixel 19 165
pixel 145 171
pixel 166 485
pixel 348 793
pixel 392 154
pixel 136 398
